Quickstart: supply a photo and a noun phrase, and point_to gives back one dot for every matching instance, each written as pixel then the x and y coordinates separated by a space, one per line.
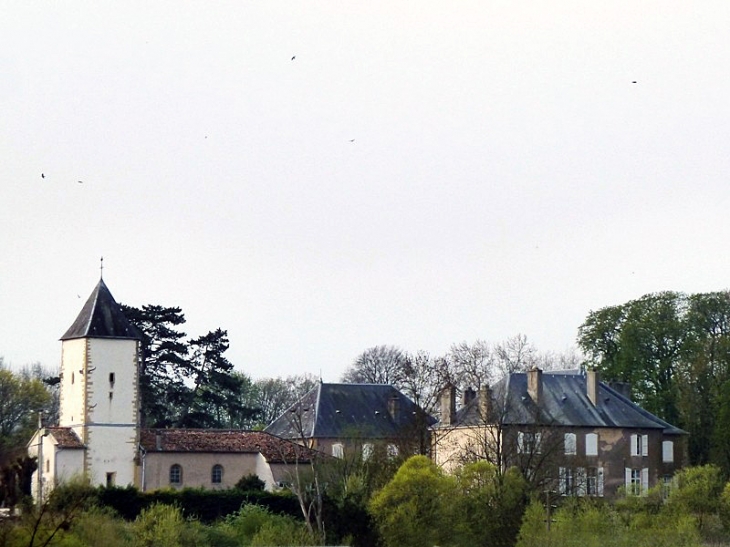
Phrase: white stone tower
pixel 100 389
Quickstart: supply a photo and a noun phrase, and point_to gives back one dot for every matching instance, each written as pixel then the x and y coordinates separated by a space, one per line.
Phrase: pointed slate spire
pixel 101 317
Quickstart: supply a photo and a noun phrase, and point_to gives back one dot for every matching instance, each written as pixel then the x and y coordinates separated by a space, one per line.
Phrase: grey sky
pixel 506 174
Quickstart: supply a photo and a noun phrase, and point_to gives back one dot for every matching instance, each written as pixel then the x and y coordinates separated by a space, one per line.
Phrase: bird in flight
pixel 293 57
pixel 43 175
pixel 80 181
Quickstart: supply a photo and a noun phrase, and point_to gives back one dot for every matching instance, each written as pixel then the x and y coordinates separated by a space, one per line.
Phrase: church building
pixel 99 438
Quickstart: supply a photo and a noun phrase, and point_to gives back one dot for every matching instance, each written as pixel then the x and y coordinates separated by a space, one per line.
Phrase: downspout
pixel 144 477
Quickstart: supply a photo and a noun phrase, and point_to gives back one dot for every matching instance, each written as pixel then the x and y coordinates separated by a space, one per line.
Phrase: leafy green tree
pixel 413 509
pixel 164 362
pixel 489 505
pixel 674 350
pixel 21 399
pixel 698 490
pixel 215 397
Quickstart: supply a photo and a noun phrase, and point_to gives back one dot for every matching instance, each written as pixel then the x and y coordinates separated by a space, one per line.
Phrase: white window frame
pixel 668 451
pixel 367 451
pixel 639 445
pixel 592 444
pixel 392 451
pixel 566 481
pixel 175 475
pixel 528 442
pixel 570 442
pixel 594 481
pixel 637 481
pixel 338 450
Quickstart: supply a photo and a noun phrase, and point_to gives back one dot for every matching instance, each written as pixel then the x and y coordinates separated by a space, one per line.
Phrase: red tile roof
pixel 273 448
pixel 65 437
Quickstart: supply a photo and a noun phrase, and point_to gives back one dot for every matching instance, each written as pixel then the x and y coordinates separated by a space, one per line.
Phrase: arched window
pixel 175 474
pixel 216 474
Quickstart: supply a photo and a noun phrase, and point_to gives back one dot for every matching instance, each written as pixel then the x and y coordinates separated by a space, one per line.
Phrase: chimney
pixel 592 386
pixel 394 407
pixel 485 403
pixel 469 395
pixel 534 384
pixel 623 388
pixel 448 405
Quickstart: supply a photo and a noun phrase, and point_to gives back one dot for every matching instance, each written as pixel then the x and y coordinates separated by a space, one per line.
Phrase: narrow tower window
pixel 111 380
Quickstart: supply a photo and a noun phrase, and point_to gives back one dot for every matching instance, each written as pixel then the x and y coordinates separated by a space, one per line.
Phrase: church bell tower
pixel 100 388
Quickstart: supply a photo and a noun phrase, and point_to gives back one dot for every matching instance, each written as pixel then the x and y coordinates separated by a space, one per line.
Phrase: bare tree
pixel 515 354
pixel 306 473
pixel 377 365
pixel 472 365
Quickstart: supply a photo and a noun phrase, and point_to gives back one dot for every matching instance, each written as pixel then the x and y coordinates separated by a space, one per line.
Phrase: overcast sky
pixel 320 177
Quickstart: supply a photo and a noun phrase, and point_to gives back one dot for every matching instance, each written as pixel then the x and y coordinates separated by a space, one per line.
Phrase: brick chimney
pixel 448 405
pixel 534 384
pixel 485 403
pixel 469 395
pixel 592 386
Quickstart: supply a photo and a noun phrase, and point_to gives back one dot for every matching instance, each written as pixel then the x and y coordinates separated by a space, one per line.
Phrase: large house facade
pixel 347 420
pixel 567 431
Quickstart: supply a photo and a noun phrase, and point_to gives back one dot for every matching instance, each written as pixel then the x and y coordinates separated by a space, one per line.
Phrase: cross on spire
pixel 101 268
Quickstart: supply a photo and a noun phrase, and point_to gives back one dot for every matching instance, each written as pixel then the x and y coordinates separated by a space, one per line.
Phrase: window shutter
pixel 634 445
pixel 644 480
pixel 645 445
pixel 520 442
pixel 628 481
pixel 570 444
pixel 561 481
pixel 538 443
pixel 667 451
pixel 599 480
pixel 591 444
pixel 580 478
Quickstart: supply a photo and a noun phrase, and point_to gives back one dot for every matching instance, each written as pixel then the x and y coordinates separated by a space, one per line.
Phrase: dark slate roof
pixel 273 448
pixel 101 317
pixel 65 437
pixel 341 411
pixel 564 402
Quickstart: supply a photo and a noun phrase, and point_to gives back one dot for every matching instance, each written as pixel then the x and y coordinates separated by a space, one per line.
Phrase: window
pixel 392 451
pixel 639 445
pixel 592 444
pixel 667 483
pixel 175 474
pixel 111 479
pixel 570 449
pixel 637 481
pixel 338 450
pixel 594 481
pixel 528 443
pixel 566 483
pixel 668 452
pixel 216 474
pixel 367 451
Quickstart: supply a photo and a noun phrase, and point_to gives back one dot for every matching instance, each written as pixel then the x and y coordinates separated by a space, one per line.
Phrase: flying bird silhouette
pixel 80 181
pixel 293 57
pixel 43 175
